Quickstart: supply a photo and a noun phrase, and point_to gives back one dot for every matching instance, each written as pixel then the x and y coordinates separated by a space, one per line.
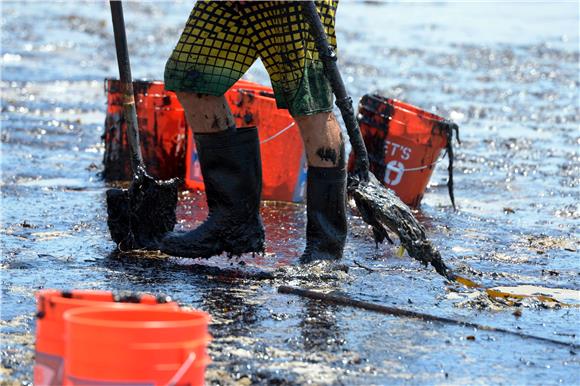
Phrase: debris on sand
pixel 527 296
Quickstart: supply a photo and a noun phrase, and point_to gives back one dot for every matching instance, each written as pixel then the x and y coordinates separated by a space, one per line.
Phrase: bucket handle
pixel 278 133
pixel 427 166
pixel 175 380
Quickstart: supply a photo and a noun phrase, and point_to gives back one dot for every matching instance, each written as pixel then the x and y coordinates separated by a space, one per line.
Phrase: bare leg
pixel 206 114
pixel 322 140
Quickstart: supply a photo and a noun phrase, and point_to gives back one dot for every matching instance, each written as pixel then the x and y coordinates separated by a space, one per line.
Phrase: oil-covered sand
pixel 506 73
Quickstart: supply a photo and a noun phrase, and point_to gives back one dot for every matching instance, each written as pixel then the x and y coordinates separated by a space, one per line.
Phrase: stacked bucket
pixel 169 149
pixel 162 130
pixel 281 149
pixel 96 337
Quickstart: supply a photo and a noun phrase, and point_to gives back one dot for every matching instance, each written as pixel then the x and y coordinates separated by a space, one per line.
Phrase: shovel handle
pixel 343 100
pixel 129 111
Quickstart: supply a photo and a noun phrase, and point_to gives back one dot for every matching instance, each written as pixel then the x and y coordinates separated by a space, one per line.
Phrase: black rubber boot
pixel 232 174
pixel 326 212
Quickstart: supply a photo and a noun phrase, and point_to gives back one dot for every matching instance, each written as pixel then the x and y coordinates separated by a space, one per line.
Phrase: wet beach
pixel 507 73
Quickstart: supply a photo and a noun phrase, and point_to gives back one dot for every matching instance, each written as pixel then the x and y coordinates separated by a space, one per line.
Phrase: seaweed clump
pixel 384 212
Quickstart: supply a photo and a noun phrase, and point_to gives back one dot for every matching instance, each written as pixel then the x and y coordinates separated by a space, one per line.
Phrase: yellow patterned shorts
pixel 222 39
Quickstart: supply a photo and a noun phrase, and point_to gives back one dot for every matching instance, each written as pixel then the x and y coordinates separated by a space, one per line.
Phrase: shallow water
pixel 506 73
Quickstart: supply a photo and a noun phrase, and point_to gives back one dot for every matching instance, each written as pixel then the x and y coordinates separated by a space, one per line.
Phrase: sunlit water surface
pixel 507 73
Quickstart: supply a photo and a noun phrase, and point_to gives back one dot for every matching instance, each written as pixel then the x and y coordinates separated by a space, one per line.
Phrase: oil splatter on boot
pixel 232 173
pixel 326 212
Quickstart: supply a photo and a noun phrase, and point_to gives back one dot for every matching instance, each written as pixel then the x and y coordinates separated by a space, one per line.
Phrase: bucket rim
pixel 70 298
pixel 400 105
pixel 113 85
pixel 47 298
pixel 80 316
pixel 265 94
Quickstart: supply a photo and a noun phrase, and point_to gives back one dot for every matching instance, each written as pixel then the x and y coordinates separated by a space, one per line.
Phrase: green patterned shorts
pixel 222 39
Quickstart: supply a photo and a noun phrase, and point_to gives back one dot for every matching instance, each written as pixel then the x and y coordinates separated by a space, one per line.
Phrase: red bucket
pixel 136 345
pixel 404 144
pixel 167 153
pixel 283 158
pixel 161 123
pixel 50 340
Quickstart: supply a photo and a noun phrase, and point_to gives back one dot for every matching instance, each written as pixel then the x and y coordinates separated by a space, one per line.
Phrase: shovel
pixel 140 215
pixel 378 206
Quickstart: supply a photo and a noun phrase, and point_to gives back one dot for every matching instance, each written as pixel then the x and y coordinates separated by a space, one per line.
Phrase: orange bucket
pixel 50 342
pixel 281 148
pixel 404 144
pixel 162 127
pixel 136 345
pixel 168 153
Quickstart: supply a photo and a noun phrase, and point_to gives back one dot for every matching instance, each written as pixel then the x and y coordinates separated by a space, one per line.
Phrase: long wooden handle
pixel 343 100
pixel 129 111
pixel 386 310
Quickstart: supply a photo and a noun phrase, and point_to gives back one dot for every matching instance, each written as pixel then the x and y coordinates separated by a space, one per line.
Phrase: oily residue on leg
pixel 216 122
pixel 327 154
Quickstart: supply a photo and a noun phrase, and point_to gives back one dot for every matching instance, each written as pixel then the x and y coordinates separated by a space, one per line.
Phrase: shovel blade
pixel 138 217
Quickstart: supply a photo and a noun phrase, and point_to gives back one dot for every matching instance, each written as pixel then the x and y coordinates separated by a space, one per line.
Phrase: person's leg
pixel 212 54
pixel 206 113
pixel 326 187
pixel 322 139
pixel 300 86
pixel 232 174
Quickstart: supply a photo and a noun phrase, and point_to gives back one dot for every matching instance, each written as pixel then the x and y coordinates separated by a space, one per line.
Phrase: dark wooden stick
pixel 129 111
pixel 343 100
pixel 379 308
